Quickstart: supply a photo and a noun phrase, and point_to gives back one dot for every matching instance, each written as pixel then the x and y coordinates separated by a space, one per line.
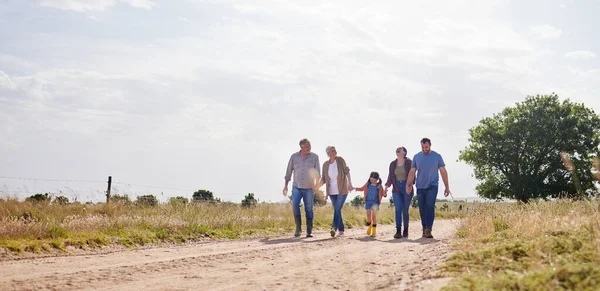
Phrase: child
pixel 373 192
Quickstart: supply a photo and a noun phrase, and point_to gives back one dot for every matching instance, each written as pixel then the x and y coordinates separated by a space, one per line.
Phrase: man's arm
pixel 288 176
pixel 444 174
pixel 317 176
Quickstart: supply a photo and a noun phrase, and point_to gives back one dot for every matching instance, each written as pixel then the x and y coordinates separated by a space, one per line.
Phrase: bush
pixel 357 201
pixel 120 199
pixel 148 200
pixel 40 198
pixel 249 200
pixel 415 202
pixel 178 200
pixel 204 196
pixel 62 200
pixel 319 198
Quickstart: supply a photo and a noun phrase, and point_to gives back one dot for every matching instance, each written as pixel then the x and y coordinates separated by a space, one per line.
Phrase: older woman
pixel 398 174
pixel 336 177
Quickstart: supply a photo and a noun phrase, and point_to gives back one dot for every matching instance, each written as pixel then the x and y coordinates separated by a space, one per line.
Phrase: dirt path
pixel 352 262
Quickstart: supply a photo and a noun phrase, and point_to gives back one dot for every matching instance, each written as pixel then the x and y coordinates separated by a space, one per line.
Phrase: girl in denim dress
pixel 373 193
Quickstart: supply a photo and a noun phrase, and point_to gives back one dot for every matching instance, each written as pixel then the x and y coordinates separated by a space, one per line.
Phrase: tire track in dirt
pixel 351 262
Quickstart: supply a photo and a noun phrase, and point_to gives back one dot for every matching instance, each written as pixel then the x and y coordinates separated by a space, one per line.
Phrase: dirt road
pixel 351 262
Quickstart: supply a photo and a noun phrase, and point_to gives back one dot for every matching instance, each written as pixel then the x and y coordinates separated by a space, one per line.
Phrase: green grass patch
pixel 543 246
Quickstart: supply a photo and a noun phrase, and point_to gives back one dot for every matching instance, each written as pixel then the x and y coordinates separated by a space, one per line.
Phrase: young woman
pixel 397 177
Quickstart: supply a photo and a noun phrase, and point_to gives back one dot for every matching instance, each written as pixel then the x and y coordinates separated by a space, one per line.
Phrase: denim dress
pixel 372 201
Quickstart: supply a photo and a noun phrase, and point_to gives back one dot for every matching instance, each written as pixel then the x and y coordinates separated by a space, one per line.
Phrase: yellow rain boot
pixel 374 230
pixel 369 229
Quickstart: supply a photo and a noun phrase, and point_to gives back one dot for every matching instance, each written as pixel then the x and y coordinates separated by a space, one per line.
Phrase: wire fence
pixel 92 190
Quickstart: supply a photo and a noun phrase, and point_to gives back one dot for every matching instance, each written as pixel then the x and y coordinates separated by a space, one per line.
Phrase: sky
pixel 169 97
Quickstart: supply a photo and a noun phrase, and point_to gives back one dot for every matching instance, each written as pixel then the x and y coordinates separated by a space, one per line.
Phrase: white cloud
pixel 545 31
pixel 6 81
pixel 93 5
pixel 580 55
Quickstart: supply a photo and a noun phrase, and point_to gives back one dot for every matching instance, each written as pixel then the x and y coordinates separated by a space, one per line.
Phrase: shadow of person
pixel 366 238
pixel 303 239
pixel 274 241
pixel 421 240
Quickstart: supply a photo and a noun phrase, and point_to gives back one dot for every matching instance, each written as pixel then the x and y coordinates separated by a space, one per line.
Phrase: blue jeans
pixel 338 202
pixel 402 204
pixel 426 199
pixel 307 196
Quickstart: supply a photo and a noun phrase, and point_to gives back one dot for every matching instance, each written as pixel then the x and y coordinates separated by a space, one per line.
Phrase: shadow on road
pixel 422 241
pixel 273 241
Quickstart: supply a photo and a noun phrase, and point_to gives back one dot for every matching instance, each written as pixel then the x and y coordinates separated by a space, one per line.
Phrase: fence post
pixel 108 190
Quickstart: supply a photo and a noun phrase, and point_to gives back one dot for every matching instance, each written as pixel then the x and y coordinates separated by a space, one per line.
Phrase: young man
pixel 426 164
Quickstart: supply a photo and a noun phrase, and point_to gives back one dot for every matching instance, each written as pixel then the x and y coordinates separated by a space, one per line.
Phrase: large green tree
pixel 516 154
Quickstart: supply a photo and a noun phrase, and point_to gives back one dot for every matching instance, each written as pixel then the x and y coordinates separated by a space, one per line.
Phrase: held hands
pixel 409 189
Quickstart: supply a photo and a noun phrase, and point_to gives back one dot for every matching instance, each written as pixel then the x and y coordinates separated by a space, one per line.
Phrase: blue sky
pixel 216 94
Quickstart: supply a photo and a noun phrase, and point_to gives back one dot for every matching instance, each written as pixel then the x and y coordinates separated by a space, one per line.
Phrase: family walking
pixel 308 176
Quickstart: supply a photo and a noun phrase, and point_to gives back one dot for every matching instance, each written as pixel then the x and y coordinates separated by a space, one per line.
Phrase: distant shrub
pixel 319 199
pixel 40 198
pixel 120 199
pixel 357 201
pixel 249 200
pixel 147 200
pixel 62 200
pixel 178 200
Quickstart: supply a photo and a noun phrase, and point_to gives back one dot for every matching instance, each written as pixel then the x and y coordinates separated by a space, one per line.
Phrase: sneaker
pixel 341 233
pixel 297 234
pixel 332 232
pixel 309 235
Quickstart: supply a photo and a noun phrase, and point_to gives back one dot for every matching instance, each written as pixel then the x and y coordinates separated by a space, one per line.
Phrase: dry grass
pixel 543 245
pixel 40 227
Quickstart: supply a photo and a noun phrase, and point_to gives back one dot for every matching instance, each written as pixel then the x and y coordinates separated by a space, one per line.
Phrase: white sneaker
pixel 341 233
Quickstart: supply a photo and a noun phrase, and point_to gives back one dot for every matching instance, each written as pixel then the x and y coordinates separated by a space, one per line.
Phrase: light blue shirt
pixel 427 166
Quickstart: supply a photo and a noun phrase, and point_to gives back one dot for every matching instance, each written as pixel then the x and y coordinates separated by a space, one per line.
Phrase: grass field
pixel 540 246
pixel 505 246
pixel 42 227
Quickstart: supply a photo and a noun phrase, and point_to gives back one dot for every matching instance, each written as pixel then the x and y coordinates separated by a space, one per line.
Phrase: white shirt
pixel 333 174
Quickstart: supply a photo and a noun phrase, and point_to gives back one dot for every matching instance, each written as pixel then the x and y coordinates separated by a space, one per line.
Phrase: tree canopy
pixel 204 196
pixel 516 154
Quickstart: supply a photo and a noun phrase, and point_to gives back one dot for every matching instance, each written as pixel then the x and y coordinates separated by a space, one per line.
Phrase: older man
pixel 305 167
pixel 427 163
